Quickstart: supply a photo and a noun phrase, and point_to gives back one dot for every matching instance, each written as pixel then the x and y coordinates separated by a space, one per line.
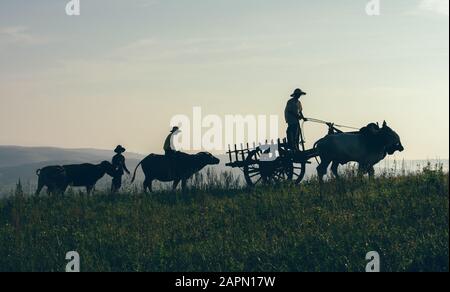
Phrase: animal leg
pixel 148 185
pixel 334 169
pixel 362 170
pixel 89 189
pixel 322 169
pixel 52 189
pixel 39 189
pixel 183 185
pixel 63 189
pixel 175 185
pixel 371 172
pixel 145 186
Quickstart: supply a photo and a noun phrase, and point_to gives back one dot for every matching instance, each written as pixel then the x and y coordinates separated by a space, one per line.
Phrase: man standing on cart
pixel 293 114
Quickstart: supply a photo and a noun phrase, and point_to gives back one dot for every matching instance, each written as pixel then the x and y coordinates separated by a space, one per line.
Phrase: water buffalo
pixel 367 147
pixel 58 178
pixel 176 167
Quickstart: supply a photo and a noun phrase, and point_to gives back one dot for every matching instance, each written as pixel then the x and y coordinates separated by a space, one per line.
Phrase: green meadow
pixel 219 226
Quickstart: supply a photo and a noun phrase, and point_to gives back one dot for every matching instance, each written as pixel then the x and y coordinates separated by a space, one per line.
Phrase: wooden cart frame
pixel 262 165
pixel 287 165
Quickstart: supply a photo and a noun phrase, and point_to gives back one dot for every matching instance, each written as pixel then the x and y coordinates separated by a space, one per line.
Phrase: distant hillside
pixel 18 156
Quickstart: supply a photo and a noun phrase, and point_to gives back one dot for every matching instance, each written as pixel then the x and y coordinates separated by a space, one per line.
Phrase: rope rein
pixel 313 120
pixel 328 123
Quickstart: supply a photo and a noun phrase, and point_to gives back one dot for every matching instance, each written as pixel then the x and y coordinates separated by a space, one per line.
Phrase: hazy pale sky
pixel 121 70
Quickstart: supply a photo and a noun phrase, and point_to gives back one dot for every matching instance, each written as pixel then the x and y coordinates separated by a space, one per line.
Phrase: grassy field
pixel 220 228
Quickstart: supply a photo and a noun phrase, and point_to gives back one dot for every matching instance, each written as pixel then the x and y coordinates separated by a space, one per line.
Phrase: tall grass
pixel 220 226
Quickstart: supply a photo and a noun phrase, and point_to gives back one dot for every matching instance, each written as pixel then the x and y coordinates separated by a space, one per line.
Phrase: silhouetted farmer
pixel 168 144
pixel 119 167
pixel 293 114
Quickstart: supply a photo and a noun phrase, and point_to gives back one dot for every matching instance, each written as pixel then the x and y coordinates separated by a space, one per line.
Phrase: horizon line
pixel 224 153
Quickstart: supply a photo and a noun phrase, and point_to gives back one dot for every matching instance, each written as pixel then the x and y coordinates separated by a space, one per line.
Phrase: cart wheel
pixel 265 172
pixel 295 169
pixel 252 169
pixel 299 171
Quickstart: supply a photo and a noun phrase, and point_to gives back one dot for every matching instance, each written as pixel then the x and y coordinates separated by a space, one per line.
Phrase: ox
pixel 366 147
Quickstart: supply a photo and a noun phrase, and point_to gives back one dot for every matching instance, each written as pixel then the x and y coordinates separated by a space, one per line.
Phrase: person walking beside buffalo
pixel 119 166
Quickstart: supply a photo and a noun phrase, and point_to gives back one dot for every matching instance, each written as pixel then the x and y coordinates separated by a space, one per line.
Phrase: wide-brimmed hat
pixel 174 129
pixel 298 92
pixel 120 149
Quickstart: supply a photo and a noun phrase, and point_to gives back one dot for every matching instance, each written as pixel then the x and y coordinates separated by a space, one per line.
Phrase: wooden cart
pixel 261 167
pixel 270 163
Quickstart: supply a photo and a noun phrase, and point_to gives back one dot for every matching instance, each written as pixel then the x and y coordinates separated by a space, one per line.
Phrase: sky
pixel 121 70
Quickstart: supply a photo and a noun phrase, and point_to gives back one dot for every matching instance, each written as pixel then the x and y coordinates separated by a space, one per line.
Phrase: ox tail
pixel 315 148
pixel 135 170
